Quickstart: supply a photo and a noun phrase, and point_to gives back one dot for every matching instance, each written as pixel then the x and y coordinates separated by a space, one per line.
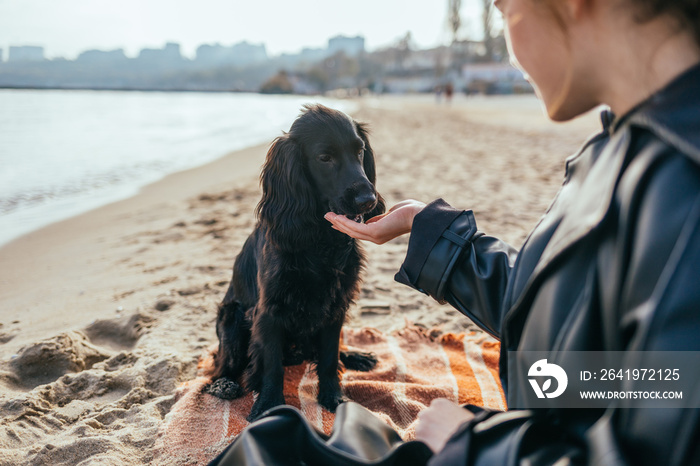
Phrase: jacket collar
pixel 588 211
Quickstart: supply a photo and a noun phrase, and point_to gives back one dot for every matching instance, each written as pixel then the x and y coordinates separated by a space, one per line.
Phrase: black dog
pixel 296 277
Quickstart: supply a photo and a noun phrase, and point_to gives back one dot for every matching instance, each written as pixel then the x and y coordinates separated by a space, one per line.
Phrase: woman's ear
pixel 370 169
pixel 288 205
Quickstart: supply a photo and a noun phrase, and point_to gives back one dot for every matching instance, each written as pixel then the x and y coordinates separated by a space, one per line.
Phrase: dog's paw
pixel 224 388
pixel 331 401
pixel 358 360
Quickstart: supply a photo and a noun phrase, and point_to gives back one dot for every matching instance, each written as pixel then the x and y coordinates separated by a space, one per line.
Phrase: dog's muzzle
pixel 356 206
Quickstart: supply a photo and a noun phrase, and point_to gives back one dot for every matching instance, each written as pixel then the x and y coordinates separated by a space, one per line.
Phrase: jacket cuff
pixel 438 236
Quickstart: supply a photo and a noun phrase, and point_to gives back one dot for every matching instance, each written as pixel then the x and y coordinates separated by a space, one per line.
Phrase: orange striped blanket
pixel 413 369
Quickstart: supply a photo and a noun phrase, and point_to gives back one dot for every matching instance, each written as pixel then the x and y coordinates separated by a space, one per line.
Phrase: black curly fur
pixel 296 277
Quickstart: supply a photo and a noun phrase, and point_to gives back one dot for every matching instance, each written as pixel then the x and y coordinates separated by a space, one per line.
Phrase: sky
pixel 67 27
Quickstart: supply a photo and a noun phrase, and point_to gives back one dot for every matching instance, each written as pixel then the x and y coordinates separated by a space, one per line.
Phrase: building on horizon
pixel 25 53
pixel 351 46
pixel 313 54
pixel 240 54
pixel 307 56
pixel 168 55
pixel 102 56
pixel 244 53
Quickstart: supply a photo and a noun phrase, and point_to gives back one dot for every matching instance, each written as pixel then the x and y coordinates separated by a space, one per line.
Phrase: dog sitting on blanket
pixel 296 277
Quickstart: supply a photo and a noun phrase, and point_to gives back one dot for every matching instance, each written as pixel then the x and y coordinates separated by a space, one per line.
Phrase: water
pixel 63 153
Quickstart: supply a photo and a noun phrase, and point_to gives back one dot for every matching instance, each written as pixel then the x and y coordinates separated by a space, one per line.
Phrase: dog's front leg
pixel 267 372
pixel 330 394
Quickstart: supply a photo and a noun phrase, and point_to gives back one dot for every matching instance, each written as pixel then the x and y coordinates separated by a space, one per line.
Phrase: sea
pixel 63 153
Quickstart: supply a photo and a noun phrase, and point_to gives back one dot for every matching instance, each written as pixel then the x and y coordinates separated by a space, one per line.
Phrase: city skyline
pixel 351 46
pixel 65 28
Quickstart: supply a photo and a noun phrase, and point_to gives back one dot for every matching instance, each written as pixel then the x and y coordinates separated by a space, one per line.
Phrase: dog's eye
pixel 361 154
pixel 325 158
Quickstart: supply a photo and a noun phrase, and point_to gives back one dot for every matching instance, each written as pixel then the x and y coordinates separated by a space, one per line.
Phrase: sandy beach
pixel 104 315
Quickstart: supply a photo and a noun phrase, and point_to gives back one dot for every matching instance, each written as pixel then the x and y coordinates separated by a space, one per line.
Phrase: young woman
pixel 612 266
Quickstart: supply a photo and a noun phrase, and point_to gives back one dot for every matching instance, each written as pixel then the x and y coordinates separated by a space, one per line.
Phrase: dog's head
pixel 324 163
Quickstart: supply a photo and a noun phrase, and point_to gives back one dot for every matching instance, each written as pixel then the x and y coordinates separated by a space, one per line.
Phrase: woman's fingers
pixel 364 231
pixel 349 227
pixel 439 422
pixel 382 228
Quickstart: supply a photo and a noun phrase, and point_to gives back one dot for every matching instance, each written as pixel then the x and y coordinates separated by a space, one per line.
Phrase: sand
pixel 104 315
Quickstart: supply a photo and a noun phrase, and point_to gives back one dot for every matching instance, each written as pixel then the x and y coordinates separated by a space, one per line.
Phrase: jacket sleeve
pixel 451 261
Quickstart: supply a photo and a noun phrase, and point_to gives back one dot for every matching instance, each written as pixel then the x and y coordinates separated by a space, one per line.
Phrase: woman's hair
pixel 686 12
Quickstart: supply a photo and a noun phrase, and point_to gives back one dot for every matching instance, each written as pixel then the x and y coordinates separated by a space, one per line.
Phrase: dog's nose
pixel 365 201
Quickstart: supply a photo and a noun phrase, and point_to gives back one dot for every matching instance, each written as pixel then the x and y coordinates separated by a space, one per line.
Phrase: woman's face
pixel 539 44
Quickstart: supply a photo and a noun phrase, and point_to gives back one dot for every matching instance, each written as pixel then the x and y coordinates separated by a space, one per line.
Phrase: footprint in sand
pixel 190 291
pixel 117 333
pixel 75 351
pixel 7 334
pixel 169 237
pixel 163 304
pixel 48 360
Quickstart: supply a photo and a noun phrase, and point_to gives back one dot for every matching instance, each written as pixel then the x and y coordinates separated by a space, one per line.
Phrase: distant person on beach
pixel 449 90
pixel 613 265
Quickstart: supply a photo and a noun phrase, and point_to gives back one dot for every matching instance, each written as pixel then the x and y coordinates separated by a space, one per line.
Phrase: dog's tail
pixel 358 360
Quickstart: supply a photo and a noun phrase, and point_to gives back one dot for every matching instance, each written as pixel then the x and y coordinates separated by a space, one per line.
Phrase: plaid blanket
pixel 413 369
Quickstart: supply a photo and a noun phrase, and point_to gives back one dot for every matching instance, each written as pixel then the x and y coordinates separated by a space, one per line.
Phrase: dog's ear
pixel 288 204
pixel 370 169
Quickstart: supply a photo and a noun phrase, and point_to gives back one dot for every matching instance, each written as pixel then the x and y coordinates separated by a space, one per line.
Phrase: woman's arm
pixel 447 258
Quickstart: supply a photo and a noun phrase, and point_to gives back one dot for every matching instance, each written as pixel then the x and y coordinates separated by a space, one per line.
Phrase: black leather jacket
pixel 613 265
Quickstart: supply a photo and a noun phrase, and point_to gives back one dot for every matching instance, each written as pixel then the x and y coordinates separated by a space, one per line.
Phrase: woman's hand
pixel 382 228
pixel 439 422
